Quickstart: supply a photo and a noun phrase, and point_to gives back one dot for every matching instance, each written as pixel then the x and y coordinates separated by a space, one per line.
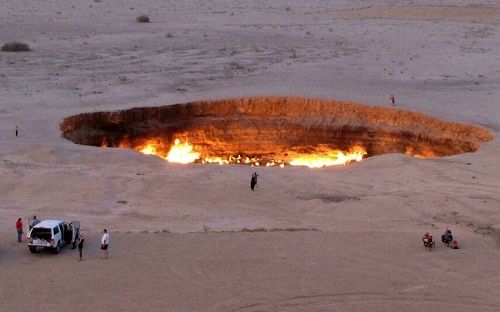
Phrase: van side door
pixel 55 233
pixel 61 230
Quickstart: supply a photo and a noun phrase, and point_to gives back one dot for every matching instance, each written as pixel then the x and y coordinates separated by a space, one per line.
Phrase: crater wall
pixel 276 128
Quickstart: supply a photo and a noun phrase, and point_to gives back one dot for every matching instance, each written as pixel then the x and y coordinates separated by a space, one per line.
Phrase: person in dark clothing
pixel 81 239
pixel 253 181
pixel 393 100
pixel 17 130
pixel 447 237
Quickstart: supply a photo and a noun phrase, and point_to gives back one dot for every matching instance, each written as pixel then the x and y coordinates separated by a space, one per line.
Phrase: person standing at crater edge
pixel 253 181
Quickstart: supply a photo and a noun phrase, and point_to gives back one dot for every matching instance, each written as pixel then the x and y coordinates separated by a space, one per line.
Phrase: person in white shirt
pixel 105 244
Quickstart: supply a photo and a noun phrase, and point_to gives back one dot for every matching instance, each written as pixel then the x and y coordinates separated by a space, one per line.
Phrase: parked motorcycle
pixel 428 242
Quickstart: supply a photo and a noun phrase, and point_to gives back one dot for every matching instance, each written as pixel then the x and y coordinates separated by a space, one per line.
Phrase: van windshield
pixel 41 233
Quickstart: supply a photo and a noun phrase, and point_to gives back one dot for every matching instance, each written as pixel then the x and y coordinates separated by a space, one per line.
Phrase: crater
pixel 273 131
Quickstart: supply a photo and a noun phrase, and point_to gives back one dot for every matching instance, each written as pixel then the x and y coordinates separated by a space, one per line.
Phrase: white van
pixel 52 234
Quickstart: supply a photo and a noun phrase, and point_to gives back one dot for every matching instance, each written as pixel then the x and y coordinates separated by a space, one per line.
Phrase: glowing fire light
pixel 421 154
pixel 216 160
pixel 182 153
pixel 333 158
pixel 149 149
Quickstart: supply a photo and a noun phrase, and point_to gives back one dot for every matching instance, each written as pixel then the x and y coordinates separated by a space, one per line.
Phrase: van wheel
pixel 58 248
pixel 33 249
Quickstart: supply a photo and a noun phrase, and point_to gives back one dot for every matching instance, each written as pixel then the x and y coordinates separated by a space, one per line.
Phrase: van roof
pixel 47 224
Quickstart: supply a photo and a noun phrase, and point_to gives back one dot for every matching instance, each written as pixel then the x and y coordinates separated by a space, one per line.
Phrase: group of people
pixel 104 245
pixel 446 238
pixel 80 239
pixel 19 227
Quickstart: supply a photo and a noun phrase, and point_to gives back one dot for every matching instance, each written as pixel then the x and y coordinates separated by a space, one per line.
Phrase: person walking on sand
pixel 393 100
pixel 105 245
pixel 81 239
pixel 19 229
pixel 253 181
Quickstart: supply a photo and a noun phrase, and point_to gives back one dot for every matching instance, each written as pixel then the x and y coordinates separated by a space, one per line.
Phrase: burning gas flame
pixel 149 149
pixel 333 158
pixel 216 160
pixel 422 153
pixel 182 153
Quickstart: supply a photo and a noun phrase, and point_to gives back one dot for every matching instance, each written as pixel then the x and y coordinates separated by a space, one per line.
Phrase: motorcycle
pixel 428 242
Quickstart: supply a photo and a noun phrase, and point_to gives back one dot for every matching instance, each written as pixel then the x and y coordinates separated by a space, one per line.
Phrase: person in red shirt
pixel 19 228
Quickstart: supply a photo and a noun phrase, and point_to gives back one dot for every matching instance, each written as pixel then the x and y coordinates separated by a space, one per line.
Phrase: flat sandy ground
pixel 277 271
pixel 361 248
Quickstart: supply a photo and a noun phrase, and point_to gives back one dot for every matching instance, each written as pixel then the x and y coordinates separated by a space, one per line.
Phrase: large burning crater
pixel 273 131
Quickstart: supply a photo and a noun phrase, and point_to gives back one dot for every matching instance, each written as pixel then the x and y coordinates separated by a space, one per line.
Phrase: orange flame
pixel 182 153
pixel 216 160
pixel 332 158
pixel 423 152
pixel 149 149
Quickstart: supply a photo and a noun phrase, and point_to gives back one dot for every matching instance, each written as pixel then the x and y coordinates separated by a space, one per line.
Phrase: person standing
pixel 393 100
pixel 105 244
pixel 81 239
pixel 19 228
pixel 253 181
pixel 17 130
pixel 33 222
pixel 77 235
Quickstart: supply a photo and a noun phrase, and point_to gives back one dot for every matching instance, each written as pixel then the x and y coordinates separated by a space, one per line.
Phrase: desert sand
pixel 335 239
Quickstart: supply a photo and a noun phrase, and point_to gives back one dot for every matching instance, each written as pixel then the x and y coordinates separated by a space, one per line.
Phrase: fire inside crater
pixel 274 131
